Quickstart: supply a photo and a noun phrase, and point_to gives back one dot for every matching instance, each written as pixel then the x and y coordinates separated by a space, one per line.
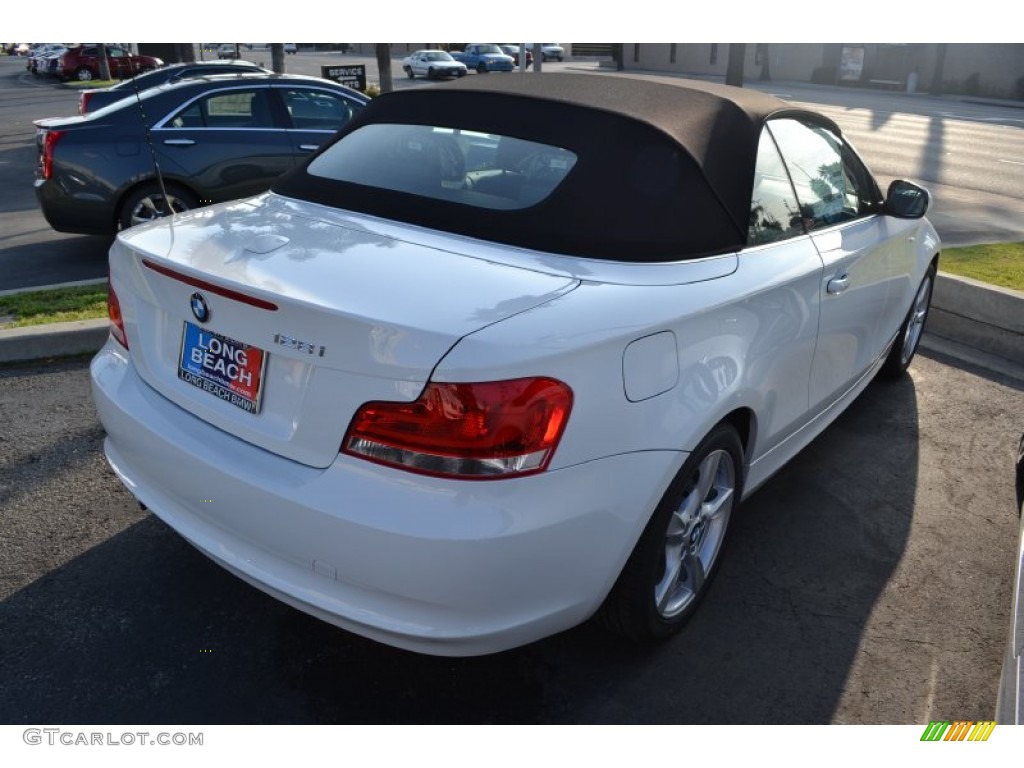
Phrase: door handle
pixel 179 142
pixel 838 284
pixel 309 147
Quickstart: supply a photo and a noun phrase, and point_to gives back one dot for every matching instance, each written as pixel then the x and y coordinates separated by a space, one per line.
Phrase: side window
pixel 774 211
pixel 316 110
pixel 829 189
pixel 227 109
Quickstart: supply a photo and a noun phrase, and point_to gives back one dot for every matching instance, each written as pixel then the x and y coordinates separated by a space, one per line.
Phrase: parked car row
pixel 82 62
pixel 478 57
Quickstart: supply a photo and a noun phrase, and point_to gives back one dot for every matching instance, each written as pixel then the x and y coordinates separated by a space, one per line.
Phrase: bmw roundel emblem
pixel 199 307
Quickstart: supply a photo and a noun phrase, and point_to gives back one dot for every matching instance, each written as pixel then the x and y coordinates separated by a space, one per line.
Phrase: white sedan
pixel 456 389
pixel 432 65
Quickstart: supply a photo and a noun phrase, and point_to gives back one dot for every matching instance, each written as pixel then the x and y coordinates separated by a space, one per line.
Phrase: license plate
pixel 225 368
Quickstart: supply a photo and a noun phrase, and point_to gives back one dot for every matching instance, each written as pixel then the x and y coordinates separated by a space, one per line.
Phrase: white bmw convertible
pixel 463 381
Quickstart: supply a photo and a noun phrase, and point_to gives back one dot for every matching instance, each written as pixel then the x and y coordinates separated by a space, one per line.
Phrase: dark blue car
pixel 214 138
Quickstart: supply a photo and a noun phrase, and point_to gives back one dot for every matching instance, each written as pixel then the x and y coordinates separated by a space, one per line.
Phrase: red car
pixel 83 63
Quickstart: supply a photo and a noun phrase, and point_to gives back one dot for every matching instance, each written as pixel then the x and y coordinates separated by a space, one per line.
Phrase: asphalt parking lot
pixel 868 582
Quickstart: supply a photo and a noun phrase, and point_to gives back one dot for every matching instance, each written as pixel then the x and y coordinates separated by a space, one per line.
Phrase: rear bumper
pixel 65 211
pixel 434 566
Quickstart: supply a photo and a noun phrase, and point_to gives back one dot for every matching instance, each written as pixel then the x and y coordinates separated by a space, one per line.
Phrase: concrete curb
pixel 975 315
pixel 979 315
pixel 37 342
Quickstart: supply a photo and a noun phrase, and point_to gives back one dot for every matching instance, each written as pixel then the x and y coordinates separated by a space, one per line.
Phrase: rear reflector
pixel 484 431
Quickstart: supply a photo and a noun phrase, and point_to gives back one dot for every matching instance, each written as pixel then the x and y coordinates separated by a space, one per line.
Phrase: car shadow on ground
pixel 144 629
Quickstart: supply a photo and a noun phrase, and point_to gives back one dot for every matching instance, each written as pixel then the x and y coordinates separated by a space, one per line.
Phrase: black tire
pixel 430 73
pixel 481 68
pixel 673 563
pixel 409 72
pixel 83 74
pixel 909 337
pixel 146 203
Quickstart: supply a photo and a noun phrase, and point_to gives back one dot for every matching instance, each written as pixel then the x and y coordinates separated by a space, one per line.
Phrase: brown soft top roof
pixel 665 172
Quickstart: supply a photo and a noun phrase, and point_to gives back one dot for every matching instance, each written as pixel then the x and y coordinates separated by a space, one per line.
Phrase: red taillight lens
pixel 83 102
pixel 116 321
pixel 50 140
pixel 483 431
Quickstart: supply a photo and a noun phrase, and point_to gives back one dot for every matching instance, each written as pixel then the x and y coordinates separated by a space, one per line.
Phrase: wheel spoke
pixel 678 526
pixel 713 509
pixel 666 588
pixel 695 573
pixel 708 471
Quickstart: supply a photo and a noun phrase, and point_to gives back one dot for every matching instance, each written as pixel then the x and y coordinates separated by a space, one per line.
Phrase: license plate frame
pixel 224 367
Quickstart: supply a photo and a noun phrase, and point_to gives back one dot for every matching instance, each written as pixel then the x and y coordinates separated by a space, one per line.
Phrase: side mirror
pixel 906 200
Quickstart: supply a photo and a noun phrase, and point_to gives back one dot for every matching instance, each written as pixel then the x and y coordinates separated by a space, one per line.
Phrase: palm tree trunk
pixel 104 64
pixel 734 69
pixel 383 51
pixel 277 57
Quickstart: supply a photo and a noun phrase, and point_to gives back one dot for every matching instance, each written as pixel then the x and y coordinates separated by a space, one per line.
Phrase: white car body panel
pixel 743 341
pixel 346 274
pixel 876 257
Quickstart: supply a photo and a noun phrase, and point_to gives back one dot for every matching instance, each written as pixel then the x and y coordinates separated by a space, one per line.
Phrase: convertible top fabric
pixel 665 166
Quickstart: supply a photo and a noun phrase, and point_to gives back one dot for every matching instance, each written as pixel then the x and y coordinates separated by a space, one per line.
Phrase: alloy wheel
pixel 915 323
pixel 154 207
pixel 695 534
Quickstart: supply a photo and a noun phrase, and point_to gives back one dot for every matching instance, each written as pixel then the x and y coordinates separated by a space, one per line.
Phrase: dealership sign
pixel 353 75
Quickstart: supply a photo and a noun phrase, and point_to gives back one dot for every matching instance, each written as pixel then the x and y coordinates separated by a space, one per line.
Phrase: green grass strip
pixel 81 302
pixel 999 264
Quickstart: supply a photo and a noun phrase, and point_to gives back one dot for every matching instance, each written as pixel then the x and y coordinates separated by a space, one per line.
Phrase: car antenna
pixel 149 138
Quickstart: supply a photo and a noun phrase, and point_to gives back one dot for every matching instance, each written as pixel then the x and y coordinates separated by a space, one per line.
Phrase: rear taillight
pixel 484 431
pixel 116 321
pixel 50 139
pixel 83 102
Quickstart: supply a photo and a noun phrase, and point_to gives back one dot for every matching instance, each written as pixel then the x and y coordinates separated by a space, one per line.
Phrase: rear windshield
pixel 483 170
pixel 542 174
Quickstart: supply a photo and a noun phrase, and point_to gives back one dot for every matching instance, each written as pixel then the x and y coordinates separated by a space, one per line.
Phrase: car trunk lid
pixel 325 316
